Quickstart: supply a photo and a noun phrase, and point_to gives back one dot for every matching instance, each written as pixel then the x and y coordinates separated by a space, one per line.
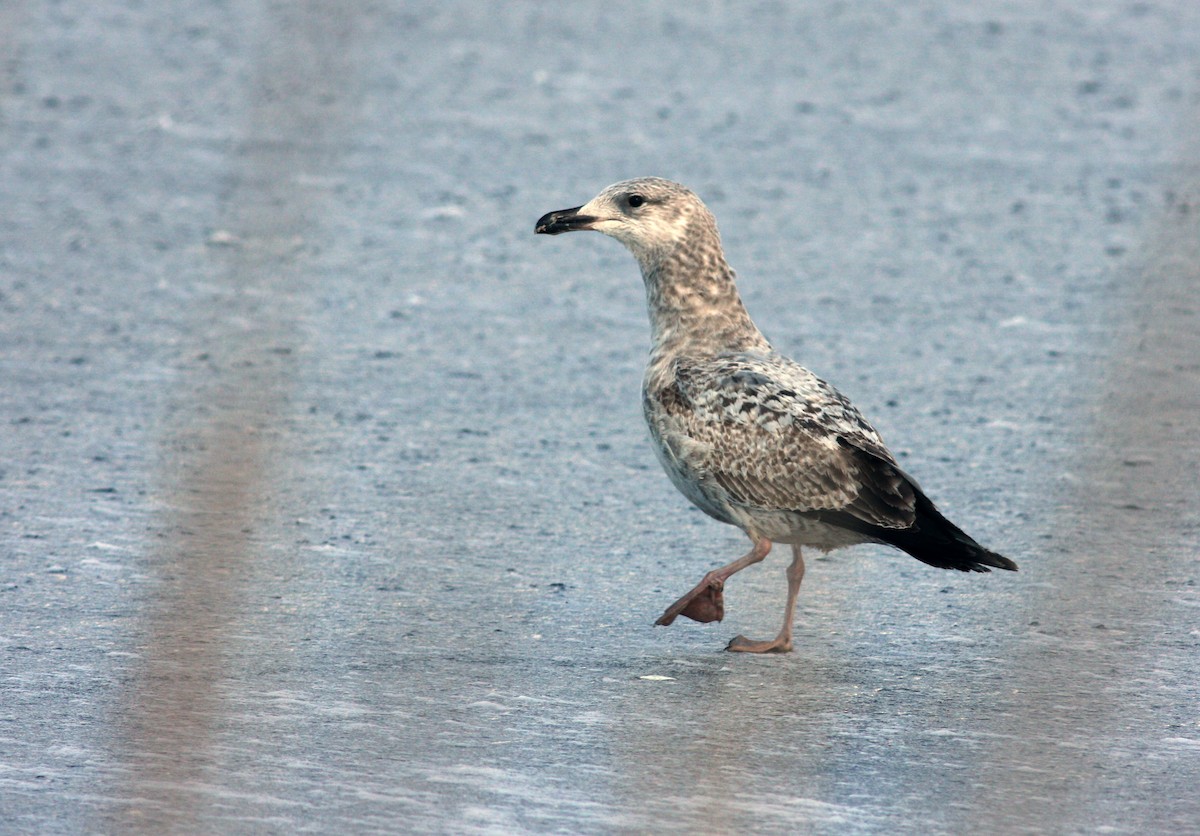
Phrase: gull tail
pixel 935 540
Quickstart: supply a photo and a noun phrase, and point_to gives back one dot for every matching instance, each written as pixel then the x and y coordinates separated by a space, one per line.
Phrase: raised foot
pixel 704 603
pixel 741 644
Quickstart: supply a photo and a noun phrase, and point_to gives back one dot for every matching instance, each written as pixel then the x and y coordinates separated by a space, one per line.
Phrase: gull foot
pixel 704 603
pixel 741 644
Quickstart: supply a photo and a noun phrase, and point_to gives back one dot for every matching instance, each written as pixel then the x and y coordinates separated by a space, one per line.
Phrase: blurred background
pixel 325 498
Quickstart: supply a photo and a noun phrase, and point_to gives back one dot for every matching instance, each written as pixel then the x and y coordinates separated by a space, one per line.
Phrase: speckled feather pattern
pixel 764 442
pixel 751 437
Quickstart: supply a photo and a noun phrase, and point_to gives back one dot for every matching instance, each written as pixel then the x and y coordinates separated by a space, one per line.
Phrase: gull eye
pixel 636 200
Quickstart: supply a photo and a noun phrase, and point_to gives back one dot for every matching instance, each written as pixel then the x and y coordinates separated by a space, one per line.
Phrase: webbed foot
pixel 741 644
pixel 705 603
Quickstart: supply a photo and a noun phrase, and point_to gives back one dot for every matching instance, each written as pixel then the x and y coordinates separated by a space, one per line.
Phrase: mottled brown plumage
pixel 749 436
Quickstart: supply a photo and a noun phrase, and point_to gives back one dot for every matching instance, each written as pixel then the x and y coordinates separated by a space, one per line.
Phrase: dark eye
pixel 636 200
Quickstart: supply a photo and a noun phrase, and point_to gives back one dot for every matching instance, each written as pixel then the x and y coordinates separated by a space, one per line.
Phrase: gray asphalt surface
pixel 325 501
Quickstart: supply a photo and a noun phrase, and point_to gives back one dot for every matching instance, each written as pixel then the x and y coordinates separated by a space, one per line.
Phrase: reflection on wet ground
pixel 1073 720
pixel 224 440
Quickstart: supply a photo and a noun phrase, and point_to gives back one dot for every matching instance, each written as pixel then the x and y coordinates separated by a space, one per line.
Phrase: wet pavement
pixel 325 501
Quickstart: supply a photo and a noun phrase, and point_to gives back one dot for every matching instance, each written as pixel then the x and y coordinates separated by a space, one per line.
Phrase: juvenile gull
pixel 752 438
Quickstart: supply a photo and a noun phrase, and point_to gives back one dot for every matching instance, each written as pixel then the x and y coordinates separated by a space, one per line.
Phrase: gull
pixel 751 437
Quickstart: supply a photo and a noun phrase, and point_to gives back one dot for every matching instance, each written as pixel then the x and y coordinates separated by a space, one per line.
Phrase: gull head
pixel 651 216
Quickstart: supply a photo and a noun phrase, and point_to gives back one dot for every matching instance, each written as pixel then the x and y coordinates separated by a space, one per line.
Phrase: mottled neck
pixel 695 307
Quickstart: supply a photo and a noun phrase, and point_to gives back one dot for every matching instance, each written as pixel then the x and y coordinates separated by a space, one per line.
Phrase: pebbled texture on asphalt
pixel 325 500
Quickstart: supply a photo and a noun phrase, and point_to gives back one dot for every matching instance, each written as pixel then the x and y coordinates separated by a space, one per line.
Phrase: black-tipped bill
pixel 564 220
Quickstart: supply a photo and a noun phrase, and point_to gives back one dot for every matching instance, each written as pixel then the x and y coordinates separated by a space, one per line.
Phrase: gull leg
pixel 706 601
pixel 783 642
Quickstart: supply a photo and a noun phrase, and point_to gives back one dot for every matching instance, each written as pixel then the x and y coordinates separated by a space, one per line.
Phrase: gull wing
pixel 774 436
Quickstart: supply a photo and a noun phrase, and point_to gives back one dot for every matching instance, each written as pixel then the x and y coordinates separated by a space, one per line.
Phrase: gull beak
pixel 564 220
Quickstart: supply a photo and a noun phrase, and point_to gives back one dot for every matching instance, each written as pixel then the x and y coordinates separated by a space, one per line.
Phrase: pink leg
pixel 706 602
pixel 783 642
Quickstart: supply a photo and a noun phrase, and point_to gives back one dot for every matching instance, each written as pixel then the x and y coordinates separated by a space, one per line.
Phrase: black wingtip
pixel 984 560
pixel 931 539
pixel 890 494
pixel 935 540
